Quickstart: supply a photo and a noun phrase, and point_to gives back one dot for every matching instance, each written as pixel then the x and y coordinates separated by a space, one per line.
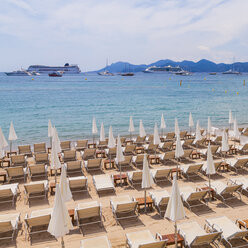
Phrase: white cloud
pixel 89 31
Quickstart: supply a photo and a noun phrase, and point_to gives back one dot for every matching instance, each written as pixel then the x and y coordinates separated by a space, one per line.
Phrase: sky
pixel 87 32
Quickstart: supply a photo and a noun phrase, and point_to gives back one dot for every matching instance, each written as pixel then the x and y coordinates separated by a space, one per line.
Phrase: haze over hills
pixel 200 66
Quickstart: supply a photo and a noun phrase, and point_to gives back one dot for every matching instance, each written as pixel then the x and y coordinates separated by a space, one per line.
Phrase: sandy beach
pixel 235 209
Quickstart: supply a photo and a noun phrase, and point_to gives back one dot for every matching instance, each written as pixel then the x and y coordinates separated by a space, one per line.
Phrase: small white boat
pixel 18 73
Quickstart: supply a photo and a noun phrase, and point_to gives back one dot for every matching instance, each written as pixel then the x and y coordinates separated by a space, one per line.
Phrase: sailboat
pixel 231 71
pixel 127 74
pixel 105 72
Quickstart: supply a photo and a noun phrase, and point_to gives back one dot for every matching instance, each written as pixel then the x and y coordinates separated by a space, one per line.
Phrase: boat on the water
pixel 18 73
pixel 164 69
pixel 212 73
pixel 66 69
pixel 232 72
pixel 55 74
pixel 183 73
pixel 127 74
pixel 105 72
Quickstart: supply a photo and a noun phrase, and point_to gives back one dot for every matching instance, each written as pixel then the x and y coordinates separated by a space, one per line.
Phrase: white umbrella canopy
pixel 191 122
pixel 50 129
pixel 102 133
pixel 230 121
pixel 4 141
pixel 111 139
pixel 156 139
pixel 198 135
pixel 179 148
pixel 210 162
pixel 224 143
pixel 177 130
pixel 209 126
pixel 55 162
pixel 94 126
pixel 56 140
pixel 12 133
pixel 147 180
pixel 64 185
pixel 175 209
pixel 119 154
pixel 236 133
pixel 131 126
pixel 162 124
pixel 60 222
pixel 142 132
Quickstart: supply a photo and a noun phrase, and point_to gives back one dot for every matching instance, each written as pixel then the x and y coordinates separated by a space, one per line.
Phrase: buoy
pixel 204 78
pixel 180 82
pixel 85 78
pixel 237 93
pixel 32 79
pixel 244 83
pixel 225 91
pixel 212 89
pixel 169 78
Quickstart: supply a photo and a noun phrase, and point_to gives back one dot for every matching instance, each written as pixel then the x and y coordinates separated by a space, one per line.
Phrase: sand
pixel 116 233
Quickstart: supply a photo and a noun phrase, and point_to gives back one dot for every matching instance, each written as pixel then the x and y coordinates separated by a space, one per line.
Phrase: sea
pixel 71 102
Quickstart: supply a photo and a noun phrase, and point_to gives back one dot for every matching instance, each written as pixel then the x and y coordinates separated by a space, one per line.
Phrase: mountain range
pixel 200 66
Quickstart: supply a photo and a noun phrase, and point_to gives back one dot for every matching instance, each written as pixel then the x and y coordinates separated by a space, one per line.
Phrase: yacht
pixel 231 72
pixel 183 73
pixel 105 72
pixel 164 69
pixel 66 69
pixel 18 73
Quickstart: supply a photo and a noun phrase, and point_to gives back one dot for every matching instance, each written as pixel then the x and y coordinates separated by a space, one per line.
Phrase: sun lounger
pixel 25 150
pixel 160 199
pixel 37 170
pixel 216 140
pixel 69 155
pixel 138 160
pixel 129 150
pixel 215 149
pixel 40 148
pixel 161 174
pixel 217 166
pixel 151 148
pixel 93 164
pixel 135 177
pixel 74 167
pixel 170 136
pixel 123 140
pixel 88 154
pixel 167 157
pixel 16 173
pixel 140 140
pixel 36 189
pixel 65 145
pixel 191 170
pixel 225 191
pixel 41 158
pixel 183 135
pixel 123 207
pixel 199 143
pixel 103 183
pixel 186 155
pixel 8 193
pixel 195 236
pixel 97 242
pixel 237 163
pixel 126 163
pixel 187 144
pixel 9 225
pixel 81 145
pixel 240 181
pixel 103 144
pixel 242 149
pixel 193 198
pixel 230 231
pixel 143 239
pixel 78 184
pixel 88 213
pixel 18 160
pixel 111 153
pixel 166 146
pixel 37 222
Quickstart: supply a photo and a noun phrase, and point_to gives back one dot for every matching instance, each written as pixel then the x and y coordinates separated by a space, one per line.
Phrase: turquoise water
pixel 71 102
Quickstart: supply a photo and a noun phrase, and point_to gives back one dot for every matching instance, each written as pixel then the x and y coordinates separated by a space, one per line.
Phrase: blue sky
pixel 87 32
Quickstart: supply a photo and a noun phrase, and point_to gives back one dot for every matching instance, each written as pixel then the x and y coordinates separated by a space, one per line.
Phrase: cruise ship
pixel 168 68
pixel 66 69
